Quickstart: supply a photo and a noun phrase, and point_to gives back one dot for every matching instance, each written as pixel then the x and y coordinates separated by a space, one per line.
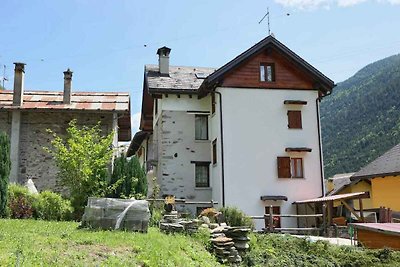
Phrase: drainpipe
pixel 222 144
pixel 321 157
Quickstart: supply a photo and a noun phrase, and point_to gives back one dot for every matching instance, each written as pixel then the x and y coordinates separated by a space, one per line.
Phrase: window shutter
pixel 294 119
pixel 284 167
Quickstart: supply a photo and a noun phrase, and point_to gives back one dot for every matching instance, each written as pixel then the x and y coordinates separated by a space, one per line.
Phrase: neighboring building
pixel 25 117
pixel 245 135
pixel 383 179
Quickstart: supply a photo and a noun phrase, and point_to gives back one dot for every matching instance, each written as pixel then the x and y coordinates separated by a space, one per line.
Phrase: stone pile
pixel 229 243
pixel 171 223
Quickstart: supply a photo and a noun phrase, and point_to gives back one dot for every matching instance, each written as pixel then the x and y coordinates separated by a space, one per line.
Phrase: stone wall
pixel 35 162
pixel 5 122
pixel 177 149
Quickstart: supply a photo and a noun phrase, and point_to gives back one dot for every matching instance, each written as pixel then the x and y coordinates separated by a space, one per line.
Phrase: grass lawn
pixel 42 243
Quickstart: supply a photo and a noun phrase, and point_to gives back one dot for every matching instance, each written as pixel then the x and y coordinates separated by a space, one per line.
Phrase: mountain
pixel 360 120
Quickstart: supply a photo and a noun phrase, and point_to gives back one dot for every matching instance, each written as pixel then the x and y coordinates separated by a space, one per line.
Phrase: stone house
pixel 246 134
pixel 26 115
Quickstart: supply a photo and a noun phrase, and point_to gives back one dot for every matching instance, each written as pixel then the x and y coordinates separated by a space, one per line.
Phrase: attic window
pixel 201 75
pixel 267 72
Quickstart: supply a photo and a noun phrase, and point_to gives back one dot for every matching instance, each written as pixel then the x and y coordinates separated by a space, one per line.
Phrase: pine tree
pixel 5 166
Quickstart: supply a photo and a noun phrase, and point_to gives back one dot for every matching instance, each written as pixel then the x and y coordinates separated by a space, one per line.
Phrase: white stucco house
pixel 246 134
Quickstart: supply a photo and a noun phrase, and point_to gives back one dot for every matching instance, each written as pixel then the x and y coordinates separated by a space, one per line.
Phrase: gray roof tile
pixel 385 165
pixel 180 78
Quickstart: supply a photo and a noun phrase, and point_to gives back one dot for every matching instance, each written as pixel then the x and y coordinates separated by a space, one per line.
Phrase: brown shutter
pixel 284 167
pixel 294 119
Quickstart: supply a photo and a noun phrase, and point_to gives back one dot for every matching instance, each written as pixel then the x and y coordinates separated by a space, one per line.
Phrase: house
pixel 26 115
pixel 383 178
pixel 246 134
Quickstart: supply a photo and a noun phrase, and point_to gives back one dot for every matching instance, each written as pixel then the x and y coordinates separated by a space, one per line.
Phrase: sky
pixel 107 43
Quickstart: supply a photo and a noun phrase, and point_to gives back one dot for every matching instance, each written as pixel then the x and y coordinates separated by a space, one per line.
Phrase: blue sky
pixel 107 43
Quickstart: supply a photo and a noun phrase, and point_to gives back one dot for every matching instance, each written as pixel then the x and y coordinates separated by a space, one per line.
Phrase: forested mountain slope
pixel 360 120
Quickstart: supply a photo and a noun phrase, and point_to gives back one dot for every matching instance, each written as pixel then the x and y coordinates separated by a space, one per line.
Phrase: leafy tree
pixel 128 178
pixel 5 166
pixel 83 159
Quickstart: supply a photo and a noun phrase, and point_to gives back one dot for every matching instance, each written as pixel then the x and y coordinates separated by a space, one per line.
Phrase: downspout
pixel 222 144
pixel 321 158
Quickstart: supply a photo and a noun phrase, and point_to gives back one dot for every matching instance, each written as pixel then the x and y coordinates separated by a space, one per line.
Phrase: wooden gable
pixel 287 74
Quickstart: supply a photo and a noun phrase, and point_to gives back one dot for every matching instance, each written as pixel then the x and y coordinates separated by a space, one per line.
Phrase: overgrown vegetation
pixel 45 205
pixel 285 250
pixel 5 166
pixel 360 120
pixel 235 217
pixel 41 243
pixel 128 178
pixel 83 160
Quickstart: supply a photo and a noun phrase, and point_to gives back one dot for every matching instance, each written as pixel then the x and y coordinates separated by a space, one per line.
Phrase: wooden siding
pixel 372 239
pixel 287 76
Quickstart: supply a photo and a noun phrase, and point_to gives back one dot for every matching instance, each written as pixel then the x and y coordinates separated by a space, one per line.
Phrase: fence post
pixel 271 219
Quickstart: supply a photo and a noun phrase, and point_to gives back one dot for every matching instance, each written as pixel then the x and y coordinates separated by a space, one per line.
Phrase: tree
pixel 5 166
pixel 128 178
pixel 83 160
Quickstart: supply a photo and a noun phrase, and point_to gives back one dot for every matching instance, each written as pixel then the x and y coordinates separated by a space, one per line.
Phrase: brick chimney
pixel 163 60
pixel 67 86
pixel 19 73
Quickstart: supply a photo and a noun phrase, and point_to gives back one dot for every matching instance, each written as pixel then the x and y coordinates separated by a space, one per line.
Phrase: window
pixel 214 151
pixel 202 174
pixel 296 165
pixel 267 72
pixel 294 119
pixel 201 127
pixel 212 103
pixel 290 167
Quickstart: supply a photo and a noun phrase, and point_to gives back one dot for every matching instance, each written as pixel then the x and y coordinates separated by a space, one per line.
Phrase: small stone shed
pixel 26 115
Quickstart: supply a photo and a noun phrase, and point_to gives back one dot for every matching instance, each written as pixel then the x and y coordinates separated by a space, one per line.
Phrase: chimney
pixel 163 60
pixel 19 73
pixel 67 86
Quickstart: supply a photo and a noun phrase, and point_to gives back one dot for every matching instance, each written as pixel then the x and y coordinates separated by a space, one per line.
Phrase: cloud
pixel 314 4
pixel 135 122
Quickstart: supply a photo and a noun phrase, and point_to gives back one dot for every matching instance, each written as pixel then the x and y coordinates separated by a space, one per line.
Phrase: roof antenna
pixel 4 76
pixel 266 15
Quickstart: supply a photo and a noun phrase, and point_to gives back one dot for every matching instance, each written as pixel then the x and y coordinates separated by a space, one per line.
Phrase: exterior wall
pixel 35 162
pixel 5 122
pixel 385 192
pixel 255 134
pixel 174 140
pixel 361 186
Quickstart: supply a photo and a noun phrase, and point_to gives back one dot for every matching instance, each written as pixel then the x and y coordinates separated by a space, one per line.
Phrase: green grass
pixel 42 243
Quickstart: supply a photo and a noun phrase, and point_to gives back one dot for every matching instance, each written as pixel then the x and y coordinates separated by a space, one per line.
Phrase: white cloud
pixel 135 122
pixel 314 4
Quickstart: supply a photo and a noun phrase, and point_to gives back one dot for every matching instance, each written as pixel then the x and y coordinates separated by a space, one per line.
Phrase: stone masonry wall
pixel 5 122
pixel 177 149
pixel 35 162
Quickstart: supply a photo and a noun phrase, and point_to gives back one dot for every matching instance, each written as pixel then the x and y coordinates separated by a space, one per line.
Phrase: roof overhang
pixel 371 176
pixel 275 198
pixel 357 195
pixel 136 143
pixel 298 149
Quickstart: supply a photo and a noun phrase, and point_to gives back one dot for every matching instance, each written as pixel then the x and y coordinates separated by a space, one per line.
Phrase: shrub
pixel 52 207
pixel 235 217
pixel 83 159
pixel 156 211
pixel 5 165
pixel 20 202
pixel 128 178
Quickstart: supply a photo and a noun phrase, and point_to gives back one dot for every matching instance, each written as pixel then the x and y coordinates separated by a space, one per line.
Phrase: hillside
pixel 361 119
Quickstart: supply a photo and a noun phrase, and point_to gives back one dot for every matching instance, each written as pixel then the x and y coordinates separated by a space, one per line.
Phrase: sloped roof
pixel 180 80
pixel 340 181
pixel 326 83
pixel 385 165
pixel 335 197
pixel 80 101
pixel 48 100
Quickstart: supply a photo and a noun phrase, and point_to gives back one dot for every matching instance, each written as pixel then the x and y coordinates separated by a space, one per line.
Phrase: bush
pixel 20 202
pixel 5 165
pixel 52 207
pixel 128 179
pixel 46 206
pixel 235 217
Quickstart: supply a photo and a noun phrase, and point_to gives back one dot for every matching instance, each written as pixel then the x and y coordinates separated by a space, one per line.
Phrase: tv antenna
pixel 266 16
pixel 4 75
